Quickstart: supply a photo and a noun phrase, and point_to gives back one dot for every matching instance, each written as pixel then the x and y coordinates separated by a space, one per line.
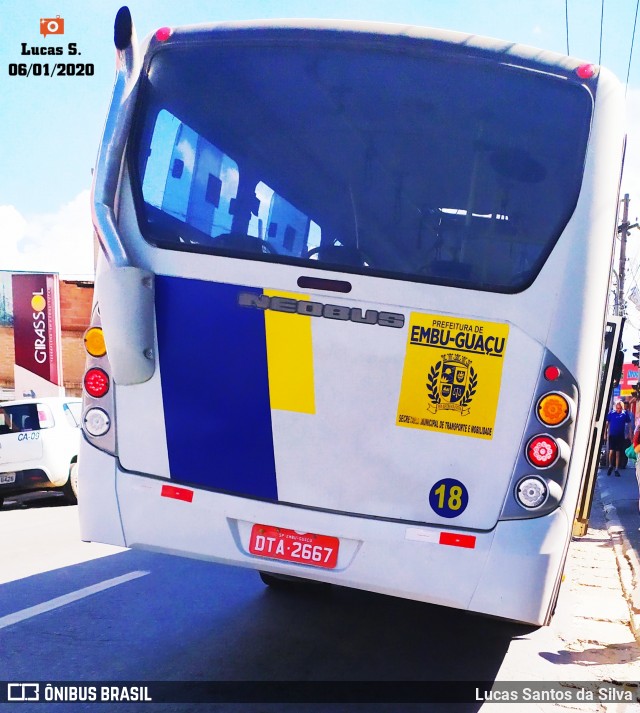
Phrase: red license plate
pixel 303 548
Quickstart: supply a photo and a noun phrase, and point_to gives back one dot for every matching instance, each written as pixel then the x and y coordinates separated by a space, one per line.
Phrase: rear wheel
pixel 285 582
pixel 275 581
pixel 1 502
pixel 70 488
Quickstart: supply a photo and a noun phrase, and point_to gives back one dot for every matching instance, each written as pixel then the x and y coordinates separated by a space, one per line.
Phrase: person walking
pixel 617 421
pixel 636 448
pixel 629 431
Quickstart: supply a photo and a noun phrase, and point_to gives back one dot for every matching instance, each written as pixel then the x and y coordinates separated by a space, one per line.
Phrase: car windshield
pixel 387 160
pixel 72 411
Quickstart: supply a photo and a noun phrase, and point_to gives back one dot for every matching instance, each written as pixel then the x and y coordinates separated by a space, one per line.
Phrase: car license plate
pixel 7 478
pixel 292 546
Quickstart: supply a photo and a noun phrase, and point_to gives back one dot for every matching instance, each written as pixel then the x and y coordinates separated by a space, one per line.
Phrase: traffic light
pixel 636 355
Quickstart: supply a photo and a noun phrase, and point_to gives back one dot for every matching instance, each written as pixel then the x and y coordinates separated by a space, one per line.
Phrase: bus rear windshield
pixel 386 160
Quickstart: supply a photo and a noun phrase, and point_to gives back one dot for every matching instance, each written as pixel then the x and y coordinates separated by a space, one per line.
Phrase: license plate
pixel 7 478
pixel 303 548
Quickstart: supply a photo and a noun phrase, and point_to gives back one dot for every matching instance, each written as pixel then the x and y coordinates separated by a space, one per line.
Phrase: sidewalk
pixel 619 498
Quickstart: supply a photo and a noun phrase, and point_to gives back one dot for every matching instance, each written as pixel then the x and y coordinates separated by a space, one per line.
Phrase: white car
pixel 39 442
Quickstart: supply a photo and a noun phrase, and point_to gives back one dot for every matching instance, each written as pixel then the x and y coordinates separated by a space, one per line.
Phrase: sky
pixel 52 125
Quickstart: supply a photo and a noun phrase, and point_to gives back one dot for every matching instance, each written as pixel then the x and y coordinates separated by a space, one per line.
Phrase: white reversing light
pixel 96 422
pixel 532 492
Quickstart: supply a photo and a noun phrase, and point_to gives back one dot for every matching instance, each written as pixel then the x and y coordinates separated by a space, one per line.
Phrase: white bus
pixel 352 288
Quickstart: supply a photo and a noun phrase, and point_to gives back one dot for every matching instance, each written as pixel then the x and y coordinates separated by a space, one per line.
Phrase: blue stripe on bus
pixel 215 387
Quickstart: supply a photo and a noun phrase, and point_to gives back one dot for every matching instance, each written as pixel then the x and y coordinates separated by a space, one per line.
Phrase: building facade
pixel 76 298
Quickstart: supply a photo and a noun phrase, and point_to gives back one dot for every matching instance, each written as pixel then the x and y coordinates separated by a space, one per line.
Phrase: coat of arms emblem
pixel 451 384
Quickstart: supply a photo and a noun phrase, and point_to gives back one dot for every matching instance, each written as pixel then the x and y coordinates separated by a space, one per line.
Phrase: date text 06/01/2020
pixel 59 69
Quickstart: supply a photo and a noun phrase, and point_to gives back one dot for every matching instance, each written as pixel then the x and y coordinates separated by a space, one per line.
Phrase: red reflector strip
pixel 450 538
pixel 170 491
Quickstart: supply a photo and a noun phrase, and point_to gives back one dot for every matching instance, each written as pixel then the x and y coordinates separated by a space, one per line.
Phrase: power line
pixel 633 37
pixel 601 23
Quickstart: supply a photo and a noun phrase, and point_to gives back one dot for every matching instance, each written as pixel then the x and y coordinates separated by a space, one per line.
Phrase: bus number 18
pixel 448 498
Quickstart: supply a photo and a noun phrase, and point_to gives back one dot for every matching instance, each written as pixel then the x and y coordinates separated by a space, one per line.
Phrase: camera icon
pixel 52 25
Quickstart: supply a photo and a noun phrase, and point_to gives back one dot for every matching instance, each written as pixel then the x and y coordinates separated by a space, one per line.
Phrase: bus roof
pixel 472 44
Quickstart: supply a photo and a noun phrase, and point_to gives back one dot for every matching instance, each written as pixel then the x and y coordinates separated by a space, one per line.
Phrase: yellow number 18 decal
pixel 448 498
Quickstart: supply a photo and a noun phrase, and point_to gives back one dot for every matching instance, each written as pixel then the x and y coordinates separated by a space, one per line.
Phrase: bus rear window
pixel 387 161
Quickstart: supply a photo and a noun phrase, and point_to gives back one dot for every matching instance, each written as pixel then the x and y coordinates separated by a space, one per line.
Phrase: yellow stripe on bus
pixel 290 358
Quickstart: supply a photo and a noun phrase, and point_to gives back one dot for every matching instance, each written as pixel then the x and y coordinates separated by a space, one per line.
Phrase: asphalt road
pixel 86 613
pixel 132 616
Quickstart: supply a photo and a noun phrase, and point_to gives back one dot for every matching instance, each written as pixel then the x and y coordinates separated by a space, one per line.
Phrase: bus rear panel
pixel 353 292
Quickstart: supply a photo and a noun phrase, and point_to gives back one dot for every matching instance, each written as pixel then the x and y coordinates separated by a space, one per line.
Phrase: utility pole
pixel 623 229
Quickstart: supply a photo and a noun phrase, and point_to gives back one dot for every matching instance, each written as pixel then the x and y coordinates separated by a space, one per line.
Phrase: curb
pixel 627 561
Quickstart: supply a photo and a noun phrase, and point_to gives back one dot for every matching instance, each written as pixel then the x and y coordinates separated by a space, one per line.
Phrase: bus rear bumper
pixel 510 572
pixel 522 573
pixel 98 509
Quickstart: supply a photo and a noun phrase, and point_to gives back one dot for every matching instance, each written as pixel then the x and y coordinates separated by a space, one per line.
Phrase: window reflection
pixel 401 164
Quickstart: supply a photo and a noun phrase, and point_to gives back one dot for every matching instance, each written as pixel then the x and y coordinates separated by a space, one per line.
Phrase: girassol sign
pixel 36 321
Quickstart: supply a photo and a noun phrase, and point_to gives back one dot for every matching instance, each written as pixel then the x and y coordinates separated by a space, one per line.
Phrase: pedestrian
pixel 617 421
pixel 629 430
pixel 636 448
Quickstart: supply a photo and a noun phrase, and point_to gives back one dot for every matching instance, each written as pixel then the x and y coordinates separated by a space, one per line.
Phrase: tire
pixel 284 582
pixel 70 488
pixel 275 581
pixel 1 502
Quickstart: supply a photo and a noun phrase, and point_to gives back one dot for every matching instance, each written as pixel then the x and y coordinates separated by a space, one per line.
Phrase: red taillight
pixel 542 451
pixel 551 373
pixel 96 382
pixel 163 34
pixel 586 71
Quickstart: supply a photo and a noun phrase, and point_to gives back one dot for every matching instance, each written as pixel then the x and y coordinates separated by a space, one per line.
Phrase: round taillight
pixel 532 492
pixel 552 372
pixel 586 71
pixel 163 34
pixel 553 409
pixel 542 451
pixel 94 342
pixel 96 422
pixel 96 382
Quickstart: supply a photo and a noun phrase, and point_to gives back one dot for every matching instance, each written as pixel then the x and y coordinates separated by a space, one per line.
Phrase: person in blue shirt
pixel 617 421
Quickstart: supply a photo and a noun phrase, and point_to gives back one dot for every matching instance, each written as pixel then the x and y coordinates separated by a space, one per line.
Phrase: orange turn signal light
pixel 94 342
pixel 553 409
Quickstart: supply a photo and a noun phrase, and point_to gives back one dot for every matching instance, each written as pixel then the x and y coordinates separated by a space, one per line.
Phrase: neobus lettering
pixel 317 309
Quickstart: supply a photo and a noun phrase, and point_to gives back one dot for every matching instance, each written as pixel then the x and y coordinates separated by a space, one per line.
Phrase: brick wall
pixel 7 357
pixel 75 313
pixel 75 305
